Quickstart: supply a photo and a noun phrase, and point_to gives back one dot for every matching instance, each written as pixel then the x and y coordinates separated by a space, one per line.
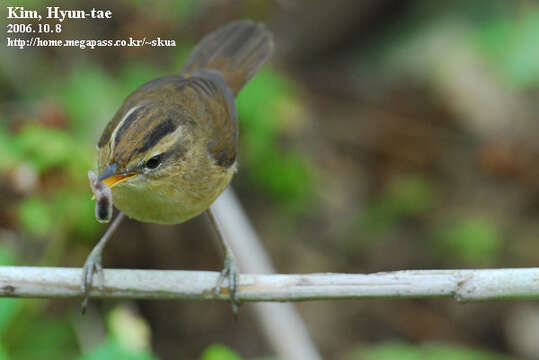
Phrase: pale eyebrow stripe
pixel 113 139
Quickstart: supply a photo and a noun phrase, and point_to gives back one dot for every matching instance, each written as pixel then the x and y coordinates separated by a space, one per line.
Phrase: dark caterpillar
pixel 103 198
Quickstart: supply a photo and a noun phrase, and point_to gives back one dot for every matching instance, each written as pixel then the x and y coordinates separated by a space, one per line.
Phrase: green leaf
pixel 8 310
pixel 286 177
pixel 7 256
pixel 283 174
pixel 129 329
pixel 377 219
pixel 405 196
pixel 90 97
pixel 112 350
pixel 3 353
pixel 129 338
pixel 75 210
pixel 471 239
pixel 511 43
pixel 134 75
pixel 410 195
pixel 44 147
pixel 36 217
pixel 219 352
pixel 8 307
pixel 45 338
pixel 257 111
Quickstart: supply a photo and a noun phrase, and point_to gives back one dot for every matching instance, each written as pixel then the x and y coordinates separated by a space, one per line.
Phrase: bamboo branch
pixel 463 285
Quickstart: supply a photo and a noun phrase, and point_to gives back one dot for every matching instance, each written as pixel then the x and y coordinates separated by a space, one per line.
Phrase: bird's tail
pixel 237 50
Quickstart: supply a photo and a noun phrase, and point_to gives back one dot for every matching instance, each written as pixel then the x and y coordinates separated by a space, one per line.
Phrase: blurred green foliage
pixel 474 240
pixel 36 217
pixel 128 329
pixel 403 197
pixel 25 337
pixel 401 351
pixel 8 307
pixel 510 42
pixel 219 352
pixel 47 337
pixel 47 151
pixel 46 148
pixel 467 239
pixel 90 96
pixel 285 175
pixel 505 34
pixel 113 350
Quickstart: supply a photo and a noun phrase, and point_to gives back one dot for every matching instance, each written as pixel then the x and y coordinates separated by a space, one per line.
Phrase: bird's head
pixel 146 146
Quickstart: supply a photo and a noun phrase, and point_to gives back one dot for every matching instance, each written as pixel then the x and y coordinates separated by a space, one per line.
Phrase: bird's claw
pixel 231 274
pixel 91 266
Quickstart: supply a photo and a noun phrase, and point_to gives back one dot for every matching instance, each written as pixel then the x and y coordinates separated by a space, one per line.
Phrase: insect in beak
pixel 111 178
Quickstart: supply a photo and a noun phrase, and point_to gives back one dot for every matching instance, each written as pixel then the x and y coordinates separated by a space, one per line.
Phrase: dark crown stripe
pixel 157 133
pixel 127 123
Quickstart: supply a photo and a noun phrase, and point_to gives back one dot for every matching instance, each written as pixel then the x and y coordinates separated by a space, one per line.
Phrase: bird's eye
pixel 153 162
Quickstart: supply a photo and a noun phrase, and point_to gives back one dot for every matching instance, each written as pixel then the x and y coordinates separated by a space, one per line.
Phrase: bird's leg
pixel 230 267
pixel 93 263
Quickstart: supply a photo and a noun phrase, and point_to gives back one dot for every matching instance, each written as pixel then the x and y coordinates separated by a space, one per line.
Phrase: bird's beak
pixel 111 177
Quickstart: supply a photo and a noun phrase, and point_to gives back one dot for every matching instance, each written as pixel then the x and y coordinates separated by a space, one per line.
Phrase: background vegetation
pixel 384 135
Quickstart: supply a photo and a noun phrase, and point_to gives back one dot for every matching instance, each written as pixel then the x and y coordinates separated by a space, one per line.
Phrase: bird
pixel 171 148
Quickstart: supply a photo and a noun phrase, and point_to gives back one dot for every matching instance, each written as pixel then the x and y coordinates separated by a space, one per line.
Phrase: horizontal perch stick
pixel 464 285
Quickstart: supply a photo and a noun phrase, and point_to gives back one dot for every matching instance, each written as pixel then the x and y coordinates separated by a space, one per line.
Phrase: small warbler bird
pixel 170 150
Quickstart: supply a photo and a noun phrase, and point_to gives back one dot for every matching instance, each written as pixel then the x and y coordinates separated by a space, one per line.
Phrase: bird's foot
pixel 91 266
pixel 231 273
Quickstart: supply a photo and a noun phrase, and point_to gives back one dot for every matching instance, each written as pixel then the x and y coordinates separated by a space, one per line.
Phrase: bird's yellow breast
pixel 172 200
